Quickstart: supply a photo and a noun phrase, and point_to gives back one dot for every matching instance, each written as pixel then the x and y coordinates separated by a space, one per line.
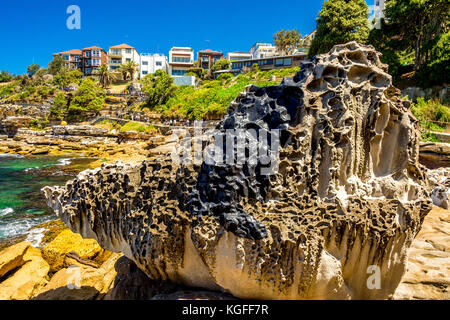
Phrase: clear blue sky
pixel 33 30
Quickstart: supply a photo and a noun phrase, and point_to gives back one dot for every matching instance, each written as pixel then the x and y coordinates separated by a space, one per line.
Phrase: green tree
pixel 198 72
pixel 159 87
pixel 5 76
pixel 128 70
pixel 222 64
pixel 32 69
pixel 415 33
pixel 340 21
pixel 287 40
pixel 59 107
pixel 107 77
pixel 66 77
pixel 56 65
pixel 88 99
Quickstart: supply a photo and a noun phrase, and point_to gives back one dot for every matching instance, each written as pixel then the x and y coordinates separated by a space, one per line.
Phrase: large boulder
pixel 328 215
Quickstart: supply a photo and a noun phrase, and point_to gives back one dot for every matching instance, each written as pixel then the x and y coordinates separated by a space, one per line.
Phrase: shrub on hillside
pixel 66 77
pixel 88 99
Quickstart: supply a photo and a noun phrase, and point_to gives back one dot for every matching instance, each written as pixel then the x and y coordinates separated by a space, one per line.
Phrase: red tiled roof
pixel 122 46
pixel 93 48
pixel 75 52
pixel 209 51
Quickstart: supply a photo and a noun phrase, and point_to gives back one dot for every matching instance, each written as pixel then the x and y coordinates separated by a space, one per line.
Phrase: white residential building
pixel 263 50
pixel 180 60
pixel 238 55
pixel 151 63
pixel 121 54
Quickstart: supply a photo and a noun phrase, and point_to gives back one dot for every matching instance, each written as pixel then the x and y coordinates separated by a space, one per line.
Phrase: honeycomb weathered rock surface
pixel 349 193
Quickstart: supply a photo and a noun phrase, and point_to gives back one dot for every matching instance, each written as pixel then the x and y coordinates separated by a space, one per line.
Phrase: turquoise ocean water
pixel 22 204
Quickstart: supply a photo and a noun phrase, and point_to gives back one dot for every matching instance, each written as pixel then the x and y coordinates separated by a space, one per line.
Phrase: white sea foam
pixel 64 162
pixel 6 211
pixel 10 155
pixel 35 236
pixel 9 229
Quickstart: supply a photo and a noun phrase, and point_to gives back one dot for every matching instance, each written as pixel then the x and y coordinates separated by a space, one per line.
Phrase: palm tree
pixel 123 71
pixel 106 76
pixel 130 67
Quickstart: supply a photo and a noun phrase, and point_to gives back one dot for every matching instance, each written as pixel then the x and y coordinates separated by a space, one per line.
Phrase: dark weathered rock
pixel 348 197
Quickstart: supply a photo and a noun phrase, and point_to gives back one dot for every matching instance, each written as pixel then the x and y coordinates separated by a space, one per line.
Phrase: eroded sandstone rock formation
pixel 349 193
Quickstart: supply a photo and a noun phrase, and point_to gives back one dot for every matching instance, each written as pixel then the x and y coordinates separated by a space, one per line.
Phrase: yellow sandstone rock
pixel 67 241
pixel 80 282
pixel 30 277
pixel 12 257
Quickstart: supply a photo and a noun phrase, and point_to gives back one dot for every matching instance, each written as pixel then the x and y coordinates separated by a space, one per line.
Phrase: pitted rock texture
pixel 349 193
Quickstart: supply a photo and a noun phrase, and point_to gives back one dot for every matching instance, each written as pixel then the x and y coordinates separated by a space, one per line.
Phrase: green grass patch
pixel 139 127
pixel 211 99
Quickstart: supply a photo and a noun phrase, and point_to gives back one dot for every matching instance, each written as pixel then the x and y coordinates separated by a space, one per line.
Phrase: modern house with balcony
pixel 123 53
pixel 238 55
pixel 92 58
pixel 72 58
pixel 263 50
pixel 150 63
pixel 207 58
pixel 180 59
pixel 278 62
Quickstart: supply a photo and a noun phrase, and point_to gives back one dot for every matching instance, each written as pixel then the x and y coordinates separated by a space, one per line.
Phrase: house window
pixel 283 62
pixel 128 60
pixel 144 72
pixel 96 62
pixel 88 71
pixel 128 50
pixel 145 63
pixel 237 65
pixel 115 61
pixel 178 72
pixel 115 52
pixel 181 59
pixel 96 53
pixel 158 63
